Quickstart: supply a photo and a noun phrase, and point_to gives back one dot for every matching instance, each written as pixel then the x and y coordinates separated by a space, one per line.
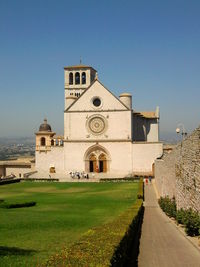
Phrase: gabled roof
pixel 86 90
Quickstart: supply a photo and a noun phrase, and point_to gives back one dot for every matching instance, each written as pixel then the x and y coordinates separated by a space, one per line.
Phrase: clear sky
pixel 148 48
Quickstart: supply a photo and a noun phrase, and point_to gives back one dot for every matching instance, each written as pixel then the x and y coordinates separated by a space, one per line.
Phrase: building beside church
pixel 102 133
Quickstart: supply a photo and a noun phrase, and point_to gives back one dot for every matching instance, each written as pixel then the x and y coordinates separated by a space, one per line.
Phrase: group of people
pixel 79 175
pixel 148 180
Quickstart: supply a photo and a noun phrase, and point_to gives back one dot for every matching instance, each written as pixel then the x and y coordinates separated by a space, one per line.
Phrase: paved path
pixel 161 244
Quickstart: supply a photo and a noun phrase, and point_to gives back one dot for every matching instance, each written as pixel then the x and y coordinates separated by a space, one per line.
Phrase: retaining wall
pixel 178 173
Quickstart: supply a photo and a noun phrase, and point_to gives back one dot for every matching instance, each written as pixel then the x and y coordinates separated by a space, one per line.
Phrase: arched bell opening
pixel 83 78
pixel 77 78
pixel 71 78
pixel 43 141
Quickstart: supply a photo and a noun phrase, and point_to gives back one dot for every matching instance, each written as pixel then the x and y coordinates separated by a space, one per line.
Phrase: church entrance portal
pixel 97 161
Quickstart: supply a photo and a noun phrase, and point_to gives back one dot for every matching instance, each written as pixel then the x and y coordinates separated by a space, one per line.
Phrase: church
pixel 103 134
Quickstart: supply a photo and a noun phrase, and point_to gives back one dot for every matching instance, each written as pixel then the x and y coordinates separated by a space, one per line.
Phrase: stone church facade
pixel 102 133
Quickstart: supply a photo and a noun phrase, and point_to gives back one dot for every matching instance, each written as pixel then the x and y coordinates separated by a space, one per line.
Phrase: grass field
pixel 64 212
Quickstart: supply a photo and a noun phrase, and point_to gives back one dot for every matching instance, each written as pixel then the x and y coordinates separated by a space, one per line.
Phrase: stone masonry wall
pixel 178 173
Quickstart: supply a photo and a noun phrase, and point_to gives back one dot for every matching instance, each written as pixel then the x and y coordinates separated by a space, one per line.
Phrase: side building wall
pixel 119 156
pixel 46 159
pixel 144 156
pixel 125 158
pixel 178 173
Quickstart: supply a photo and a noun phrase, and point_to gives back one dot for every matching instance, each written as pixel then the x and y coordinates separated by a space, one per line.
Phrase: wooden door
pixel 92 163
pixel 103 162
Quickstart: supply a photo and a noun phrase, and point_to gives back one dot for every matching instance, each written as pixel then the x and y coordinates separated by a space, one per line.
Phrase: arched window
pixel 83 78
pixel 71 78
pixel 43 141
pixel 52 142
pixel 77 78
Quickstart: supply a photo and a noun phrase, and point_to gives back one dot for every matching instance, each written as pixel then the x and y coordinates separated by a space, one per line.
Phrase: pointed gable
pixel 99 91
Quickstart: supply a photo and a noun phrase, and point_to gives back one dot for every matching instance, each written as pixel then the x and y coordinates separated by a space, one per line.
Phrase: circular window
pixel 96 124
pixel 96 102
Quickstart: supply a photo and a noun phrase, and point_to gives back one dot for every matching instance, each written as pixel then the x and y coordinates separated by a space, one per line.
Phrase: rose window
pixel 96 125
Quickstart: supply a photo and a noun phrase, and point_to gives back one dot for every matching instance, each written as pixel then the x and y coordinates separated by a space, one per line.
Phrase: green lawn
pixel 64 211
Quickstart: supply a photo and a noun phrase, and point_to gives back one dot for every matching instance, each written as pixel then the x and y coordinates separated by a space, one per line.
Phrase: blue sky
pixel 148 48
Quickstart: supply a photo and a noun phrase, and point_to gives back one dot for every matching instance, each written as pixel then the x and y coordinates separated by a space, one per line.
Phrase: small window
pixel 43 141
pixel 71 78
pixel 97 102
pixel 52 142
pixel 77 78
pixel 83 78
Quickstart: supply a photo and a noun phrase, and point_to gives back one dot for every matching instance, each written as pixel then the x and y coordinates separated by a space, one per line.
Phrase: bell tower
pixel 77 80
pixel 44 137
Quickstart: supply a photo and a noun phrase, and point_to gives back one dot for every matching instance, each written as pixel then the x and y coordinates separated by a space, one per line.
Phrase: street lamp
pixel 181 129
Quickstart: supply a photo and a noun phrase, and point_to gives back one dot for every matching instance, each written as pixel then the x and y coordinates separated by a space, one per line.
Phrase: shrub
pixel 180 215
pixel 192 222
pixel 168 206
pixel 189 218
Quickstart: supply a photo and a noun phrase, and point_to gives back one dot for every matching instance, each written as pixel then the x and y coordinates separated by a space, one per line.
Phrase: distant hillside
pixel 17 140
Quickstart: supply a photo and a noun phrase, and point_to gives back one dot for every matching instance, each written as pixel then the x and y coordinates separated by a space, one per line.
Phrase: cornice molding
pixel 96 141
pixel 98 111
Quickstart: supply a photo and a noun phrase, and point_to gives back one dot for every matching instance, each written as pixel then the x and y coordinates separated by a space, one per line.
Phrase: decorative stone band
pixel 96 124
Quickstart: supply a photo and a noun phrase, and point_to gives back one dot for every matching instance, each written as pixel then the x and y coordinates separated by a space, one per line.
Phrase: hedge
pixel 17 205
pixel 125 179
pixel 140 194
pixel 107 245
pixel 9 181
pixel 189 218
pixel 40 179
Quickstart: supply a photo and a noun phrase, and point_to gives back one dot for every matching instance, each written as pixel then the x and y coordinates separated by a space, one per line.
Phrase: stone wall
pixel 178 173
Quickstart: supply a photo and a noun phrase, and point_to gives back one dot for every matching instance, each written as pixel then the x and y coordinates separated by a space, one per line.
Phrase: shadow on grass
pixel 9 251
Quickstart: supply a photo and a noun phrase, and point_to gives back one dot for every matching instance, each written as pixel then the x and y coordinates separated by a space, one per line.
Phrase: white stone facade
pixel 102 133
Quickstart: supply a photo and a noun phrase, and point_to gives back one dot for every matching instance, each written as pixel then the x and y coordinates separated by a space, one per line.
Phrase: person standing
pixel 150 179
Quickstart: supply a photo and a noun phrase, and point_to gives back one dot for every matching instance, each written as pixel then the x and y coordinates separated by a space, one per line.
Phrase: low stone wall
pixel 178 173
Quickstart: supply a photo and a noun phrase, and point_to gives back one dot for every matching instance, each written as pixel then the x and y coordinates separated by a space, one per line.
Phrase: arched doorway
pixel 92 163
pixel 97 159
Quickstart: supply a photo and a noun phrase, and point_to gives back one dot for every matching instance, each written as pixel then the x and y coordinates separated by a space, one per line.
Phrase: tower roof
pixel 45 127
pixel 78 67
